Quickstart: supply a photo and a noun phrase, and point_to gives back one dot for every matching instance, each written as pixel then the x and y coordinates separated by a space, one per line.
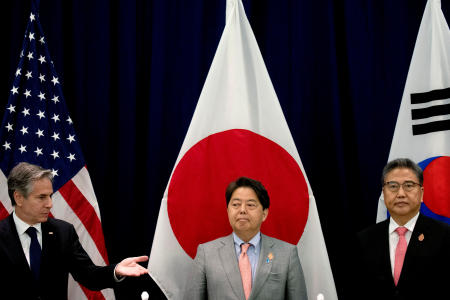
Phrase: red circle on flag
pixel 196 202
pixel 436 186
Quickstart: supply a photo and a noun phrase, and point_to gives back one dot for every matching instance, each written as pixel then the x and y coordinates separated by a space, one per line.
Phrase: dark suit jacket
pixel 426 268
pixel 61 253
pixel 215 273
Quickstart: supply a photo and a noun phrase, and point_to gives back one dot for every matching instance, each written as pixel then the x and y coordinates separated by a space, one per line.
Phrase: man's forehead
pixel 43 183
pixel 402 172
pixel 245 199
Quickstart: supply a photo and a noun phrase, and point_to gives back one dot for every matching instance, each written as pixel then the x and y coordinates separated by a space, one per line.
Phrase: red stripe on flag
pixel 86 213
pixel 92 295
pixel 3 212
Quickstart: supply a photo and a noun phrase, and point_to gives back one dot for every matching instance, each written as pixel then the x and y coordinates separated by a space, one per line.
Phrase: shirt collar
pixel 409 225
pixel 21 226
pixel 254 240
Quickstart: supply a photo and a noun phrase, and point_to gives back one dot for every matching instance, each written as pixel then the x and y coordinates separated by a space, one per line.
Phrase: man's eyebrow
pixel 45 194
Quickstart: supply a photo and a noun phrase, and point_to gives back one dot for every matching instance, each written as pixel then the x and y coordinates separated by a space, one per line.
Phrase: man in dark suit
pixel 408 255
pixel 246 264
pixel 37 253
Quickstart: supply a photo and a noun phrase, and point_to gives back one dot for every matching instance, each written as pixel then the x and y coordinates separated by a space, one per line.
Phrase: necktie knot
pixel 401 231
pixel 31 231
pixel 244 248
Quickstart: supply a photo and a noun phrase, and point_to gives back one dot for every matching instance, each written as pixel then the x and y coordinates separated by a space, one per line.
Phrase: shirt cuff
pixel 118 278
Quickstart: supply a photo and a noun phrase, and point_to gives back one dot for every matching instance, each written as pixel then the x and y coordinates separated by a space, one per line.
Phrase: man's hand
pixel 130 267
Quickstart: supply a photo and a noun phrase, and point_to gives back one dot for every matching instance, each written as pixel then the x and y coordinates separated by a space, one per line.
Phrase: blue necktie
pixel 35 252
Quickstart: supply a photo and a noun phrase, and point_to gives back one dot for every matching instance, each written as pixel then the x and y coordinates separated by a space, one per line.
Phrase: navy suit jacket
pixel 426 269
pixel 62 254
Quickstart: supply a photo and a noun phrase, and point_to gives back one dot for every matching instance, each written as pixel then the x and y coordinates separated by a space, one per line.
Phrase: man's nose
pixel 401 191
pixel 49 203
pixel 242 208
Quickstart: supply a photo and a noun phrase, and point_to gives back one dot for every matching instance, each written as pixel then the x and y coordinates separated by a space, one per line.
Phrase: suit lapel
pixel 14 248
pixel 227 254
pixel 48 240
pixel 416 246
pixel 383 252
pixel 264 266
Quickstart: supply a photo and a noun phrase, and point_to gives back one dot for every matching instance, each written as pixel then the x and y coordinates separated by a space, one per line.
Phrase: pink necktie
pixel 400 252
pixel 246 270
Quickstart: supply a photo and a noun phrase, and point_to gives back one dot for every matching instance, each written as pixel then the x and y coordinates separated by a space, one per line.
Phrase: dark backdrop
pixel 132 72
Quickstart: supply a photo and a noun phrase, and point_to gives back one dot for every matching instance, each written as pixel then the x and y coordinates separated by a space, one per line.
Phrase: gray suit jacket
pixel 215 274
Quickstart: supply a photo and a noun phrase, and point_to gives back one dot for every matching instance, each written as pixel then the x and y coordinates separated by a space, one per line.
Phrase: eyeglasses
pixel 407 186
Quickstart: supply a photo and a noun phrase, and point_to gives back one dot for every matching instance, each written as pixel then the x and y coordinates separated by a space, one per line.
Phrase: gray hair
pixel 22 177
pixel 405 163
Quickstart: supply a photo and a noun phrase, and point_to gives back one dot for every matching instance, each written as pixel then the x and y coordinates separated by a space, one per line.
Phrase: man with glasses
pixel 408 255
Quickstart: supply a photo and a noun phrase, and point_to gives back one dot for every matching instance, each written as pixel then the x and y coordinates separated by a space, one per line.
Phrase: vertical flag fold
pixel 37 128
pixel 238 129
pixel 422 132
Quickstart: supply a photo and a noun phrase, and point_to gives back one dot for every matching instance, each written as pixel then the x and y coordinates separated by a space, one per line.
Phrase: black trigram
pixel 431 111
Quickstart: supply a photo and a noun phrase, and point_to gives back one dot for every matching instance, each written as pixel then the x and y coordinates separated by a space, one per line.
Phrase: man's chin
pixel 43 219
pixel 242 226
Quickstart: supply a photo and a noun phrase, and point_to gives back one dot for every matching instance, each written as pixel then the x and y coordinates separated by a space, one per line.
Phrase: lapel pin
pixel 269 257
pixel 421 237
pixel 50 232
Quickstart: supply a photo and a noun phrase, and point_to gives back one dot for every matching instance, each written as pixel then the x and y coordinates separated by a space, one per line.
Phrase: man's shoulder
pixel 265 239
pixel 5 221
pixel 5 224
pixel 439 228
pixel 218 242
pixel 433 222
pixel 58 224
pixel 52 224
pixel 373 233
pixel 374 228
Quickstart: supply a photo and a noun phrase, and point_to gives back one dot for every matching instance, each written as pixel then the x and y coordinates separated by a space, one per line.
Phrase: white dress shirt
pixel 393 236
pixel 25 239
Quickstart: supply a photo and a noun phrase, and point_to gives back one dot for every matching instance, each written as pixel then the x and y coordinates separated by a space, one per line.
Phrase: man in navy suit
pixel 408 255
pixel 276 272
pixel 37 253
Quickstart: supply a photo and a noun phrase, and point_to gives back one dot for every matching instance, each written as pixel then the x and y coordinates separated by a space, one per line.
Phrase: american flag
pixel 37 128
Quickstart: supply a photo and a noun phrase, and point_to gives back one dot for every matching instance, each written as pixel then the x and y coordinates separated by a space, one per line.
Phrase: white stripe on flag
pixel 74 290
pixel 83 182
pixel 429 71
pixel 63 211
pixel 238 94
pixel 4 197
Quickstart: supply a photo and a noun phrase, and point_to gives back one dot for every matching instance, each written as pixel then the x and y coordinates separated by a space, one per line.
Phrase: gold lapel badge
pixel 421 237
pixel 269 257
pixel 50 232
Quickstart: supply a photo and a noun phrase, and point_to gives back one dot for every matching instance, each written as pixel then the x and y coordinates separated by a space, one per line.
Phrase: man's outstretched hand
pixel 130 267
